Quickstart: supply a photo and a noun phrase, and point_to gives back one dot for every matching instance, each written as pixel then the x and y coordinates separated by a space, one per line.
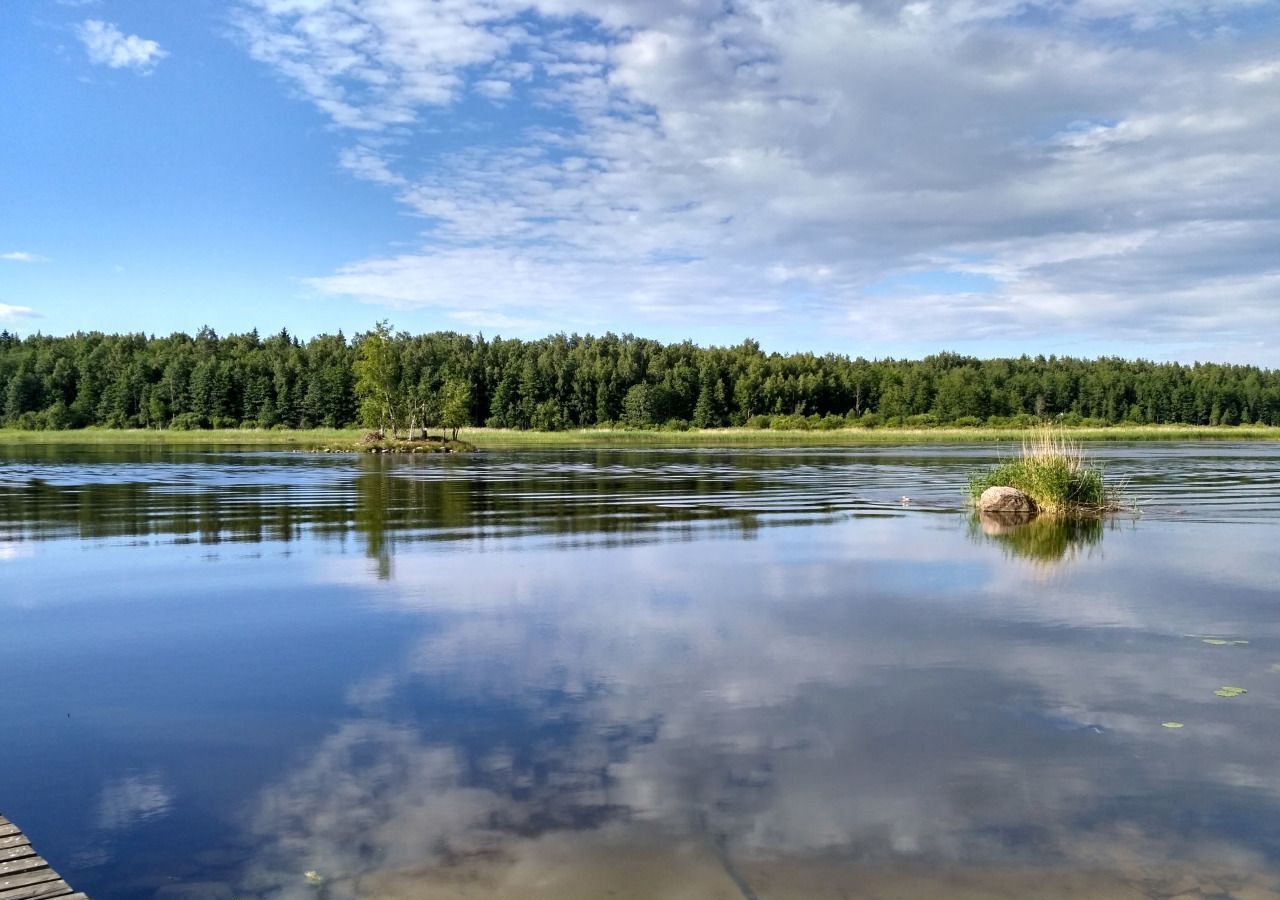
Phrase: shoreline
pixel 606 438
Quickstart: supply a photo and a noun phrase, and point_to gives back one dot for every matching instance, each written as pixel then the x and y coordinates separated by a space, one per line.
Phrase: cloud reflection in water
pixel 878 696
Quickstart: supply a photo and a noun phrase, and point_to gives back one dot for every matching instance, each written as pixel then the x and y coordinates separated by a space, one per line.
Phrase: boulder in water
pixel 1006 500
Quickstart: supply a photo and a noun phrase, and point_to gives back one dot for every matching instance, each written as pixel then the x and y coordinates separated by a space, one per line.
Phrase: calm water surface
pixel 676 674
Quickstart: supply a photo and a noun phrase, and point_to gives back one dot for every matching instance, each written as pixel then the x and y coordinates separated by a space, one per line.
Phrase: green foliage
pixel 1052 472
pixel 455 405
pixel 395 382
pixel 1050 483
pixel 377 370
pixel 637 406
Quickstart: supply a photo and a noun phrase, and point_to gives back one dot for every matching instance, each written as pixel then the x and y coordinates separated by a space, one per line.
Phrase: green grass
pixel 489 438
pixel 223 437
pixel 403 445
pixel 1053 472
pixel 510 439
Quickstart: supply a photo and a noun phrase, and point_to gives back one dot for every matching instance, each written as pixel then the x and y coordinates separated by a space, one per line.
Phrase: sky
pixel 876 178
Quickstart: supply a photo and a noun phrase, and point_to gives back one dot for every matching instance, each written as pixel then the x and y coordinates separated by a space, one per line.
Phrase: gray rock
pixel 998 523
pixel 1005 500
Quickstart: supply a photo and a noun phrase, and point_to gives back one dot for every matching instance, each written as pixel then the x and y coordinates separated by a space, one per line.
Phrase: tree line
pixel 404 382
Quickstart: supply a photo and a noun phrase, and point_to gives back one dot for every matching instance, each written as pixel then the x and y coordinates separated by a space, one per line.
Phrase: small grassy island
pixel 378 442
pixel 1053 474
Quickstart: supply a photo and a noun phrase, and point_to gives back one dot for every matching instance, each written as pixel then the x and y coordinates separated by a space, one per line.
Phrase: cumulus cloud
pixel 8 312
pixel 23 256
pixel 777 161
pixel 108 46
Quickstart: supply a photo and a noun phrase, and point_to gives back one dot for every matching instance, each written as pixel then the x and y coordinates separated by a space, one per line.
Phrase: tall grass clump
pixel 1053 472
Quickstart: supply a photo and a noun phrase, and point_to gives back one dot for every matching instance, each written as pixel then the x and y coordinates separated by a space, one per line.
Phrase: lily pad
pixel 1216 641
pixel 1229 691
pixel 1171 724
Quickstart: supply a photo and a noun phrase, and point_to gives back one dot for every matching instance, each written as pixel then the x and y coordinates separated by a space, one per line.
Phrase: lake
pixel 633 674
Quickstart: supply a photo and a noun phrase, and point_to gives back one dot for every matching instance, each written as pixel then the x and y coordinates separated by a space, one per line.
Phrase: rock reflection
pixel 1041 539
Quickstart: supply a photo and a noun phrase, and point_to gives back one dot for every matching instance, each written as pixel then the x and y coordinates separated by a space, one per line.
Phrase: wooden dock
pixel 23 874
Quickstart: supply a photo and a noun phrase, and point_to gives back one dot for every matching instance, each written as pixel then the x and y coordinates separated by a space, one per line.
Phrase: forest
pixel 384 378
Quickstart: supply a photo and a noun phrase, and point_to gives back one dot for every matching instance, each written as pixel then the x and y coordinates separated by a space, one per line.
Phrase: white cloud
pixel 1259 72
pixel 130 801
pixel 687 152
pixel 370 66
pixel 108 46
pixel 8 312
pixel 23 256
pixel 493 88
pixel 368 164
pixel 1149 14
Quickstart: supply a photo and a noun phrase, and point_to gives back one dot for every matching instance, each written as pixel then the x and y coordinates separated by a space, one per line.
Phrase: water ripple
pixel 277 496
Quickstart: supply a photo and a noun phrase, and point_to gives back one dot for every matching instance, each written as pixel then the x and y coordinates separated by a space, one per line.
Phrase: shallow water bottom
pixel 568 866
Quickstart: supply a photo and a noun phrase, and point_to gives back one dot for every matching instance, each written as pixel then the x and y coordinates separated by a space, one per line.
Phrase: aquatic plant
pixel 1053 471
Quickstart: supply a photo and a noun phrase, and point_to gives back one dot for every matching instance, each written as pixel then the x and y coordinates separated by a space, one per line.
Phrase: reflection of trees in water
pixel 1042 539
pixel 596 499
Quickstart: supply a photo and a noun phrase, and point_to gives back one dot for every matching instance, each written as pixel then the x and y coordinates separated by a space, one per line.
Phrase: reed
pixel 1053 471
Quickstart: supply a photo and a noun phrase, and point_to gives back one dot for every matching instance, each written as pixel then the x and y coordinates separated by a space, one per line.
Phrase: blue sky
pixel 878 178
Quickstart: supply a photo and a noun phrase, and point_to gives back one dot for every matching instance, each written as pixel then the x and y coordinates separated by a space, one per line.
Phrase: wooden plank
pixel 28 864
pixel 26 878
pixel 37 891
pixel 23 874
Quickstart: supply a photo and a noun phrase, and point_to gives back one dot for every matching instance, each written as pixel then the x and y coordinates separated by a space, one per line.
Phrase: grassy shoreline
pixel 498 439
